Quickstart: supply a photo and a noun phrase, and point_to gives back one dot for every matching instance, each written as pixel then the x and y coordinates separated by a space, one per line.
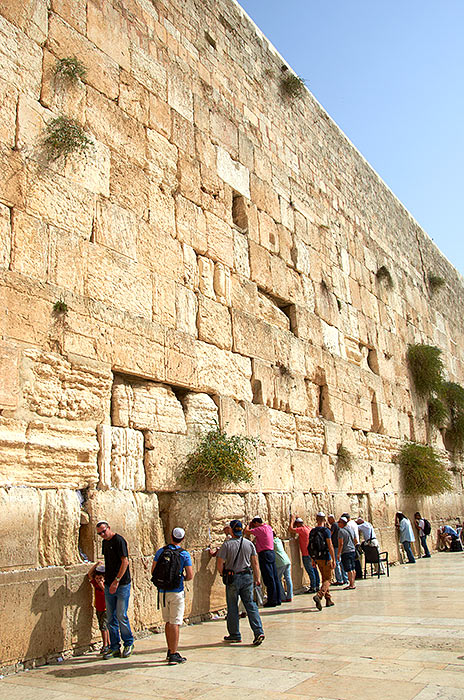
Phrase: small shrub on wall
pixel 426 367
pixel 221 458
pixel 453 394
pixel 63 137
pixel 344 459
pixel 422 471
pixel 437 412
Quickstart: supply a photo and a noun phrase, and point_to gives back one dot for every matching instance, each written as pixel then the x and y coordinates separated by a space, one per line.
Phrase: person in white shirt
pixel 406 535
pixel 370 538
pixel 353 528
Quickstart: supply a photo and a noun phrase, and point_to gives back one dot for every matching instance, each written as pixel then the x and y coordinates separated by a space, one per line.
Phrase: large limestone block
pixel 310 434
pixel 221 283
pixel 76 389
pixel 214 323
pixel 20 58
pixel 206 277
pixel 60 201
pixel 31 16
pixel 311 471
pixel 47 455
pixel 136 354
pixel 162 161
pixel 119 281
pixel 241 259
pixel 189 511
pixel 102 70
pixel 256 505
pixel 80 620
pixel 224 372
pixel 279 510
pixel 220 240
pixel 37 627
pixel 263 383
pixel 5 237
pixel 19 543
pixel 150 534
pixel 251 336
pixel 272 470
pixel 258 422
pixel 67 261
pixel 115 228
pixel 148 71
pixel 260 266
pixel 186 310
pixel 222 509
pixel 8 100
pixel 206 592
pixel 145 405
pixel 165 457
pixel 180 96
pixel 233 416
pixel 119 509
pixel 234 173
pixel 181 364
pixel 60 95
pixel 59 522
pixel 269 312
pixel 107 28
pixel 191 224
pixel 31 244
pixel 283 429
pixel 201 412
pixel 9 375
pixel 145 613
pixel 120 459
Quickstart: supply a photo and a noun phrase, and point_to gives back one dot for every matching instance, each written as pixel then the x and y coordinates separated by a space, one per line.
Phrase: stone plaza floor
pixel 390 639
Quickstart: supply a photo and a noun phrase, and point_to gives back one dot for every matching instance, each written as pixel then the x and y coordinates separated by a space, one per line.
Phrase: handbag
pixel 228 575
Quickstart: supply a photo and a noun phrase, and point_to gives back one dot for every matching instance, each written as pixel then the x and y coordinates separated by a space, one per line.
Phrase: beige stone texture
pixel 214 323
pixel 220 240
pixel 12 177
pixel 74 12
pixel 8 102
pixel 61 95
pixel 186 311
pixel 148 71
pixel 234 173
pixel 107 30
pixel 252 337
pixel 58 525
pixel 145 405
pixel 9 375
pixel 5 236
pixel 19 544
pixel 20 56
pixel 30 245
pixel 241 259
pixel 201 412
pixel 162 161
pixel 165 457
pixel 115 228
pixel 120 458
pixel 206 276
pixel 221 371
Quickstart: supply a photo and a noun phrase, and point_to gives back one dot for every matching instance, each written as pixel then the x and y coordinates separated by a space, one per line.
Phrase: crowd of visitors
pixel 330 551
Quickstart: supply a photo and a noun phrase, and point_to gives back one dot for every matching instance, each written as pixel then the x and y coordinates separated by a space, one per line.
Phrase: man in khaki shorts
pixel 321 549
pixel 172 599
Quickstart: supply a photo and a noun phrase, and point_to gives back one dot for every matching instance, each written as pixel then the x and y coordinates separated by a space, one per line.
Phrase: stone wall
pixel 217 251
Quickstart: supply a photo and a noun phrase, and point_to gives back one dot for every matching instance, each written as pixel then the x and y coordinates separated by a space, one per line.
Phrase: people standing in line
pixel 96 576
pixel 238 555
pixel 347 551
pixel 423 529
pixel 406 535
pixel 283 566
pixel 340 574
pixel 353 527
pixel 264 542
pixel 321 550
pixel 117 590
pixel 174 565
pixel 297 527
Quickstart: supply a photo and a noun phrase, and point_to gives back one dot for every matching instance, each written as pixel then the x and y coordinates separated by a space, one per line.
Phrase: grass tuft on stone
pixel 65 136
pixel 220 458
pixel 70 69
pixel 422 471
pixel 435 282
pixel 344 459
pixel 426 367
pixel 292 86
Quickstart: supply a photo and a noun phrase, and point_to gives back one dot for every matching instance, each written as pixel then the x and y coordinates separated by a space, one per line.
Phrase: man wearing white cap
pixel 169 563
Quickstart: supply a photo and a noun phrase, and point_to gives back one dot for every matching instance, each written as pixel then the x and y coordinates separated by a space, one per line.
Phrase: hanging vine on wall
pixel 221 458
pixel 453 395
pixel 422 470
pixel 426 367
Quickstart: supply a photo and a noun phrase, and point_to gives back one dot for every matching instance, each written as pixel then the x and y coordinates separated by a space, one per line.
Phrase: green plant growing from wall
pixel 422 471
pixel 65 136
pixel 383 275
pixel 437 412
pixel 292 86
pixel 426 367
pixel 344 459
pixel 60 307
pixel 453 395
pixel 435 282
pixel 70 69
pixel 221 458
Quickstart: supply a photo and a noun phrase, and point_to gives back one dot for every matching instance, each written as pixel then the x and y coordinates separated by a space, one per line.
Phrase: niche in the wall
pixel 373 360
pixel 377 425
pixel 239 212
pixel 323 408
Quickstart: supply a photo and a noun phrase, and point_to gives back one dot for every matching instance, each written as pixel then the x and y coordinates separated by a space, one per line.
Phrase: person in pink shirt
pixel 264 543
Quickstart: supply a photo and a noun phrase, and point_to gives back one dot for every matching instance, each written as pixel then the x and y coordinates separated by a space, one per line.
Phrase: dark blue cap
pixel 236 525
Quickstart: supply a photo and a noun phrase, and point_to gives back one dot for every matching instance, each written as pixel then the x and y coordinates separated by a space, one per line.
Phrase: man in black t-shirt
pixel 324 558
pixel 117 590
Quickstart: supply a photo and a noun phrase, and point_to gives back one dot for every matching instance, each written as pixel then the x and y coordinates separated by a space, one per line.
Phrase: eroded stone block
pixel 145 405
pixel 121 457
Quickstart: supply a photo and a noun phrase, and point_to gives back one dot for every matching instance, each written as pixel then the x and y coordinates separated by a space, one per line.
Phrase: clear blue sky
pixel 391 75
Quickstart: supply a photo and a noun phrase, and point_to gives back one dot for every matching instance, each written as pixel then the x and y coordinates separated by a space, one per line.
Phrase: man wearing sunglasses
pixel 117 590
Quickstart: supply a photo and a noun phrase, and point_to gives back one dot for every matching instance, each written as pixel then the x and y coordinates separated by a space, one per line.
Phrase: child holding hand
pixel 96 577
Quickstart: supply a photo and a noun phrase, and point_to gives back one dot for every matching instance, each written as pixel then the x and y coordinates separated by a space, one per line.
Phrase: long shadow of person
pixel 47 636
pixel 203 581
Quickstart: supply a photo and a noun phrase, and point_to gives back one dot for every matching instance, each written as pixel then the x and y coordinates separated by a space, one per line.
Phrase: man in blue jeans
pixel 239 556
pixel 117 590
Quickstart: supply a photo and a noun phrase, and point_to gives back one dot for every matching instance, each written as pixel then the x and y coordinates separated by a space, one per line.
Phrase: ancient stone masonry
pixel 212 256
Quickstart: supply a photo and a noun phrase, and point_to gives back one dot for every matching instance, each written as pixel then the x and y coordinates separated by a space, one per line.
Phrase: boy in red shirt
pixel 96 577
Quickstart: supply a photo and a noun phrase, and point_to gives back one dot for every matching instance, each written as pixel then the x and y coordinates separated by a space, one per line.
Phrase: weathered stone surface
pixel 8 101
pixel 9 375
pixel 30 250
pixel 20 57
pixel 120 459
pixel 221 371
pixel 59 521
pixel 165 457
pixel 146 406
pixel 115 228
pixel 234 173
pixel 201 412
pixel 186 311
pixel 19 544
pixel 214 323
pixel 107 30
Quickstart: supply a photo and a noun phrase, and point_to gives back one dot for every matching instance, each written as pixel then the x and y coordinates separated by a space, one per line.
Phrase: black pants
pixel 269 574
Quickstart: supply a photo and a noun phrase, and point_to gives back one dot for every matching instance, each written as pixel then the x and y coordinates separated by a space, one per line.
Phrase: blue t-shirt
pixel 186 561
pixel 449 531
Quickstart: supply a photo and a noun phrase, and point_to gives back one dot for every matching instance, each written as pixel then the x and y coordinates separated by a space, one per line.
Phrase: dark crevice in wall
pixel 239 212
pixel 373 360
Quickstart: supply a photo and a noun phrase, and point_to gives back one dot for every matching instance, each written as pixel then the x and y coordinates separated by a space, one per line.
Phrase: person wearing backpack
pixel 169 564
pixel 347 551
pixel 423 528
pixel 320 548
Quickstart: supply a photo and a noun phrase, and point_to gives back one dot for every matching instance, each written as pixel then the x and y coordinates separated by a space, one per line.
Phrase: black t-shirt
pixel 113 551
pixel 334 530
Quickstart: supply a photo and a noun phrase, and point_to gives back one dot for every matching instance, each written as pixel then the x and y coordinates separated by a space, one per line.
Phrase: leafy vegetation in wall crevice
pixel 437 412
pixel 344 459
pixel 292 86
pixel 221 458
pixel 70 69
pixel 383 275
pixel 426 367
pixel 65 136
pixel 422 470
pixel 435 282
pixel 453 395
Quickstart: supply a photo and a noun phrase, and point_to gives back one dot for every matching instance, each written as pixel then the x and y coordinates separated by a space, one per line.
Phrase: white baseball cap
pixel 178 533
pixel 320 515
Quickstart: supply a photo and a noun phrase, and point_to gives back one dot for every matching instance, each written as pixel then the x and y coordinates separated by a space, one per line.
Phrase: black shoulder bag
pixel 228 575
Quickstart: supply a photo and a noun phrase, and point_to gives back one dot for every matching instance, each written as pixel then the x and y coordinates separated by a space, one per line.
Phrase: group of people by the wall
pixel 331 551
